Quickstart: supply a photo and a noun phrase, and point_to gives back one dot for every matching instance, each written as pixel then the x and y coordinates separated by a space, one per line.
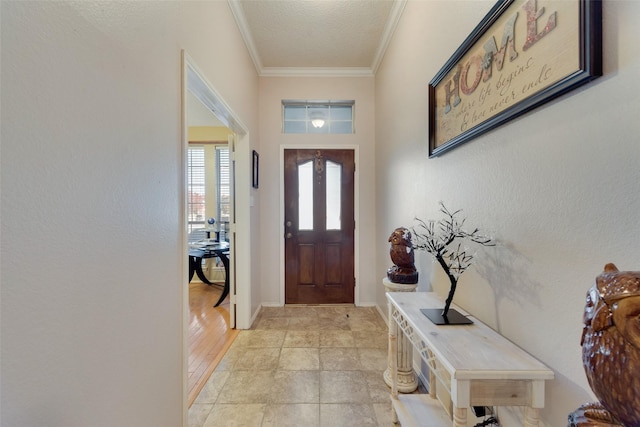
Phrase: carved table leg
pixel 393 363
pixel 531 417
pixel 407 379
pixel 459 417
pixel 394 415
pixel 433 392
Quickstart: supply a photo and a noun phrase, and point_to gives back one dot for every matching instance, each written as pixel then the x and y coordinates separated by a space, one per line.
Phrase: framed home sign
pixel 523 54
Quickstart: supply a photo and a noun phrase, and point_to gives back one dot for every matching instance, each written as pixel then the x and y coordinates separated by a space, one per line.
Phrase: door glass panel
pixel 334 174
pixel 305 196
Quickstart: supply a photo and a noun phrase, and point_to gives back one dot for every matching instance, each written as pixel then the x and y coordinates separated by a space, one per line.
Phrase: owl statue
pixel 611 350
pixel 402 257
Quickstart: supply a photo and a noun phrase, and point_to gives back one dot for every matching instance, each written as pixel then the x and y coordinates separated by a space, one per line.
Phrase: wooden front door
pixel 319 226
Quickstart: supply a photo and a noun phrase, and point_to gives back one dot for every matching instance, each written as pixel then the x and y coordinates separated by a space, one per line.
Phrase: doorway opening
pixel 230 204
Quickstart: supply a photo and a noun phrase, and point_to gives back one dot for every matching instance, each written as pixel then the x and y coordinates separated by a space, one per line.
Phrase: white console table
pixel 469 365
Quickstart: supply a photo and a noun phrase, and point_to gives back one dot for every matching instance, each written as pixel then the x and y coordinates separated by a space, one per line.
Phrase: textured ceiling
pixel 309 37
pixel 289 37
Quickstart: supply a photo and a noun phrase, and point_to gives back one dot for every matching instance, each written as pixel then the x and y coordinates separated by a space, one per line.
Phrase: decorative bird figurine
pixel 402 256
pixel 611 350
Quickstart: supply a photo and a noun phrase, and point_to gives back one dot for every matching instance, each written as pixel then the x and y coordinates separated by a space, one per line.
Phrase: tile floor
pixel 306 366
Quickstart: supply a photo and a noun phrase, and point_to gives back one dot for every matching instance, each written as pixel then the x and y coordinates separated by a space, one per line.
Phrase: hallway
pixel 301 366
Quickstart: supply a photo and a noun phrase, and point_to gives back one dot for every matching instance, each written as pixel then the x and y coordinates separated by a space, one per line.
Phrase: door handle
pixel 289 224
pixel 289 235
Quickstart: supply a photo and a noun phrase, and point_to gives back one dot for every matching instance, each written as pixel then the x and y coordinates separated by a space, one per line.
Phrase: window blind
pixel 195 187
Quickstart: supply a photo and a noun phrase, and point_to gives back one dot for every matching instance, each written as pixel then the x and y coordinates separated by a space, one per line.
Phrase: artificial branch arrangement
pixel 439 239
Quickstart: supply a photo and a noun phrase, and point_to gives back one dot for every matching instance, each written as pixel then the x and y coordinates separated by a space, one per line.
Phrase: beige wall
pixel 272 91
pixel 208 134
pixel 93 200
pixel 559 188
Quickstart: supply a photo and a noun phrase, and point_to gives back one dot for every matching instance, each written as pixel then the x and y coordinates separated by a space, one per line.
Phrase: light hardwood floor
pixel 209 334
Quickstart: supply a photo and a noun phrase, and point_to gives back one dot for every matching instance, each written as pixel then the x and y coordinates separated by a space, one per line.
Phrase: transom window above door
pixel 304 116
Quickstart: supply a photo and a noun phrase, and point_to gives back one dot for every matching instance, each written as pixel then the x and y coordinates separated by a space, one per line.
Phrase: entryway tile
pixel 339 323
pixel 379 391
pixel 343 387
pixel 371 339
pixel 304 323
pixel 292 415
pixel 198 413
pixel 264 359
pixel 367 324
pixel 260 338
pixel 336 339
pixel 343 415
pixel 302 339
pixel 212 387
pixel 236 415
pixel 373 359
pixel 383 414
pixel 272 323
pixel 296 387
pixel 299 359
pixel 301 366
pixel 339 359
pixel 247 387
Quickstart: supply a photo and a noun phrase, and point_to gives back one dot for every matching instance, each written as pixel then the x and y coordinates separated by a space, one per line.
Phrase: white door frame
pixel 239 231
pixel 356 211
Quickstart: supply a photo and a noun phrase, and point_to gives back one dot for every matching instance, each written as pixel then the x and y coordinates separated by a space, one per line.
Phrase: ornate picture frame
pixel 523 54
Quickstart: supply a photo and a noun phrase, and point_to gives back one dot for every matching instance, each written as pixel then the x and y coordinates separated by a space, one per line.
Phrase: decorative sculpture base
pixel 407 379
pixel 592 415
pixel 453 317
pixel 404 276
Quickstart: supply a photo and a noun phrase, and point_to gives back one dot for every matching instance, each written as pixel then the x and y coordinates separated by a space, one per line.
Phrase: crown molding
pixel 389 30
pixel 316 72
pixel 392 22
pixel 241 21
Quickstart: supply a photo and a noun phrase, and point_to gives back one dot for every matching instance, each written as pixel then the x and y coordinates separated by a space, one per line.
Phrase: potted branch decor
pixel 439 239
